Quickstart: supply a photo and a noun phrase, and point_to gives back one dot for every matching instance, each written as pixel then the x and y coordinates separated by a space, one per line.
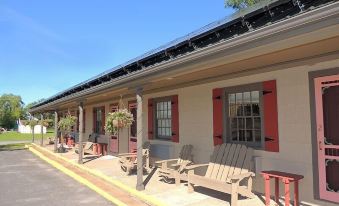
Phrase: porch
pixel 167 193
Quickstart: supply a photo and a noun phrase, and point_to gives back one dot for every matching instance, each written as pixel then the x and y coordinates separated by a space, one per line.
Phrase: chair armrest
pixel 241 176
pixel 192 167
pixel 169 160
pixel 127 154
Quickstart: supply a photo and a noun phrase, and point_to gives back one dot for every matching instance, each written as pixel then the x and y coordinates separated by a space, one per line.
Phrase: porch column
pixel 42 129
pixel 140 184
pixel 81 132
pixel 55 131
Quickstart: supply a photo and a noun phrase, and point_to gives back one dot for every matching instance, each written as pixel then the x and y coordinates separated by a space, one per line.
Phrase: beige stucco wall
pixel 196 128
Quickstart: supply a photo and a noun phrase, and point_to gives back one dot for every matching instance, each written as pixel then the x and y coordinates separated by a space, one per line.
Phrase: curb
pixel 133 192
pixel 78 178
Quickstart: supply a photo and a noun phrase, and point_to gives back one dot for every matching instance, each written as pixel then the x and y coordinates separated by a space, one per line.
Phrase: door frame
pixel 131 105
pixel 114 107
pixel 311 76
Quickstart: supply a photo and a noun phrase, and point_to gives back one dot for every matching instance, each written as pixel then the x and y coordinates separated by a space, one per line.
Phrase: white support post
pixel 81 132
pixel 140 185
pixel 55 131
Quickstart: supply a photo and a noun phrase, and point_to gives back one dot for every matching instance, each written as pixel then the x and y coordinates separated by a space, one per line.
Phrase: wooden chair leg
pixel 190 188
pixel 177 178
pixel 234 193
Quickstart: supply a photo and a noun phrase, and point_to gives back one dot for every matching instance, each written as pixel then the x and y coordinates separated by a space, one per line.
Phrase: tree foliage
pixel 240 4
pixel 11 109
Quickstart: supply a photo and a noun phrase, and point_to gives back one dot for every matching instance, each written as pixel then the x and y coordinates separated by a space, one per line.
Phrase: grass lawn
pixel 15 136
pixel 8 147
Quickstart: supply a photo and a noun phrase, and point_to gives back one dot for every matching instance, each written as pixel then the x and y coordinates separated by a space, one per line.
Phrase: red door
pixel 132 143
pixel 327 114
pixel 114 140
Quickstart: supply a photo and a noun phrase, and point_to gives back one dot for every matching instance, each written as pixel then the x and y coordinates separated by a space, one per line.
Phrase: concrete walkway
pixel 26 180
pixel 154 186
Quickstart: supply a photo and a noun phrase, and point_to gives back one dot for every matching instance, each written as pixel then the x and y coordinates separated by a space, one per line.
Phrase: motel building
pixel 266 77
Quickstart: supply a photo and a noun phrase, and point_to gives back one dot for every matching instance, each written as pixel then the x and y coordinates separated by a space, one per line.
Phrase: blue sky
pixel 48 46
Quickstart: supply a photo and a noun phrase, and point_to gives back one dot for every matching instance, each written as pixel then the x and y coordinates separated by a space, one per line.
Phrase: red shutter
pixel 217 116
pixel 271 116
pixel 94 119
pixel 103 120
pixel 150 119
pixel 175 119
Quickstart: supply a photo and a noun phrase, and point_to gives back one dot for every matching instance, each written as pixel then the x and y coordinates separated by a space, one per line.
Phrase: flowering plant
pixel 117 120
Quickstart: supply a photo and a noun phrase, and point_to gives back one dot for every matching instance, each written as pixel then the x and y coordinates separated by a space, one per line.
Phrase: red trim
pixel 271 116
pixel 217 116
pixel 175 119
pixel 150 119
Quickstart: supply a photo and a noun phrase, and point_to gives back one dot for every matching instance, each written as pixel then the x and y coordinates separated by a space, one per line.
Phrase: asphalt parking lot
pixel 27 180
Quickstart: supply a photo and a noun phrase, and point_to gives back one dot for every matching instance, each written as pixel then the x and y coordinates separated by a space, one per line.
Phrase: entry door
pixel 132 144
pixel 327 114
pixel 114 140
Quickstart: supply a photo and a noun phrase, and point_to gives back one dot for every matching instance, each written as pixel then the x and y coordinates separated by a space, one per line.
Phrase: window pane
pixel 241 135
pixel 234 124
pixel 247 103
pixel 239 104
pixel 169 114
pixel 231 102
pixel 257 123
pixel 249 135
pixel 257 135
pixel 249 123
pixel 169 132
pixel 255 103
pixel 241 123
pixel 234 135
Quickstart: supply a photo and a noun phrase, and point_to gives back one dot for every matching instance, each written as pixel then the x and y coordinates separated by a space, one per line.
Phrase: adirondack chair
pixel 87 148
pixel 175 168
pixel 229 171
pixel 128 161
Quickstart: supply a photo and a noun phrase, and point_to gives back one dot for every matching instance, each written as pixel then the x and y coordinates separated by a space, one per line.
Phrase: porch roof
pixel 245 21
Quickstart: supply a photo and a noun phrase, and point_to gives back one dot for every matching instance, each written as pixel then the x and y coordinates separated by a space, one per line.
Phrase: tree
pixel 11 109
pixel 240 4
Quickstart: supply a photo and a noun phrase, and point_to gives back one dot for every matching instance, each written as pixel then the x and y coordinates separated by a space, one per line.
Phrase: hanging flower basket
pixel 118 120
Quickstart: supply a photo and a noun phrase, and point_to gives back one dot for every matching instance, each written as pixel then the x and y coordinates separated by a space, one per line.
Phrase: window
pixel 244 115
pixel 163 118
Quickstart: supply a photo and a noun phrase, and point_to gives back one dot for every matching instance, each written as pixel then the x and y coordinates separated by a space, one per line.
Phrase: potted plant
pixel 65 125
pixel 118 120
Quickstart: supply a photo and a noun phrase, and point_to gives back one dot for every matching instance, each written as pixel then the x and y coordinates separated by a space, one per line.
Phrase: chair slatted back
pixel 88 146
pixel 229 160
pixel 185 154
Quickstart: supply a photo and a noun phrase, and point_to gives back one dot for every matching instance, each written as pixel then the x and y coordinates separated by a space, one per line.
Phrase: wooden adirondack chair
pixel 87 148
pixel 175 168
pixel 228 171
pixel 128 161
